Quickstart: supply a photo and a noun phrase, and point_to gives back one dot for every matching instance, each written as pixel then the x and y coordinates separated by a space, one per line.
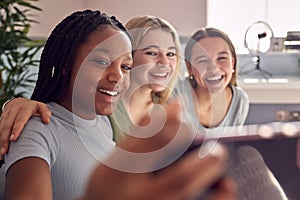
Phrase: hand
pixel 225 189
pixel 186 178
pixel 14 117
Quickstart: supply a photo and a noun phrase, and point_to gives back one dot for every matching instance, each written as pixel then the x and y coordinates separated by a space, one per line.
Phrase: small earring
pixel 233 71
pixel 192 80
pixel 52 71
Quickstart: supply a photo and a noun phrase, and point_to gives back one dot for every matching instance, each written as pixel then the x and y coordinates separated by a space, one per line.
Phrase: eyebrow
pixel 201 56
pixel 224 52
pixel 106 51
pixel 205 56
pixel 100 50
pixel 157 47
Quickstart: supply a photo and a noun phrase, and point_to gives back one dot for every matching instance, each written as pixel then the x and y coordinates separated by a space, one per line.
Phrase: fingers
pixel 191 176
pixel 22 115
pixel 14 117
pixel 6 123
pixel 44 111
pixel 225 189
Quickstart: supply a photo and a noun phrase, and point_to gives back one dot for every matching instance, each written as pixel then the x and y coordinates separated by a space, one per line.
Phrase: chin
pixel 105 110
pixel 215 90
pixel 158 88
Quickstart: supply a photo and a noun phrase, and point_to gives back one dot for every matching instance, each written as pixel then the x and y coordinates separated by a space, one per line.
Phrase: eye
pixel 222 58
pixel 202 61
pixel 171 54
pixel 151 53
pixel 126 67
pixel 102 62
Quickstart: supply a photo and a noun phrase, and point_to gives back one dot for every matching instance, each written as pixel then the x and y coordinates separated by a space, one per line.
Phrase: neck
pixel 84 110
pixel 211 108
pixel 138 104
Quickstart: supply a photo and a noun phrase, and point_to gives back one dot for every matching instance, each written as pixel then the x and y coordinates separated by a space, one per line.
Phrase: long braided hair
pixel 58 53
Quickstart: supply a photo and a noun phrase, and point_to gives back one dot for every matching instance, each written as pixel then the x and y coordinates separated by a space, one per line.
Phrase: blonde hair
pixel 138 27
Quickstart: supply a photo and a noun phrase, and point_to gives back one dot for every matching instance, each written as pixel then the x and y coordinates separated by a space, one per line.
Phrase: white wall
pixel 53 12
pixel 185 15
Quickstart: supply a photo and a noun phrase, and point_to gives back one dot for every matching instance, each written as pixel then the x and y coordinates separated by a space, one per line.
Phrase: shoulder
pixel 240 99
pixel 36 125
pixel 239 94
pixel 182 83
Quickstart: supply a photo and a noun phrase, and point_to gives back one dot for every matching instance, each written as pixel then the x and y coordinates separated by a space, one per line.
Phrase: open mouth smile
pixel 213 79
pixel 108 92
pixel 159 74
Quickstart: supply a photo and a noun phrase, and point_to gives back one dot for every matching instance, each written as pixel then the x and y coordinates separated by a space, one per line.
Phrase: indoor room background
pixel 280 92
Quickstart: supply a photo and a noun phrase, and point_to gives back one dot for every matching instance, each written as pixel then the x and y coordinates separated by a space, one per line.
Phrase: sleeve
pixel 36 140
pixel 253 178
pixel 243 106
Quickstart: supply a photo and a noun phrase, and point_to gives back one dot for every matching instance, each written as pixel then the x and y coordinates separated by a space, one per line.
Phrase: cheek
pixel 227 67
pixel 140 60
pixel 199 70
pixel 140 72
pixel 126 82
pixel 173 64
pixel 87 80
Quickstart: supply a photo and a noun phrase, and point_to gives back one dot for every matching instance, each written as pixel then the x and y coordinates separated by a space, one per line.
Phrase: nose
pixel 114 73
pixel 163 60
pixel 212 67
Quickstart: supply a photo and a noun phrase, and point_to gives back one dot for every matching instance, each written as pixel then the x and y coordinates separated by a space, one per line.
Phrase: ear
pixel 233 63
pixel 189 67
pixel 64 71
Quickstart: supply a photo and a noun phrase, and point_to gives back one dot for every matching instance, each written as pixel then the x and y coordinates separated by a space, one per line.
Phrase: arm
pixel 28 161
pixel 184 179
pixel 22 181
pixel 15 115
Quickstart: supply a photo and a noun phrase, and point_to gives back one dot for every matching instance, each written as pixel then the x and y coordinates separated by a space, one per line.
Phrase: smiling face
pixel 155 60
pixel 100 73
pixel 211 63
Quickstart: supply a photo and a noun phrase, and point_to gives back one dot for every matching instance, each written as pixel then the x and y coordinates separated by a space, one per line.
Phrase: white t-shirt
pixel 236 114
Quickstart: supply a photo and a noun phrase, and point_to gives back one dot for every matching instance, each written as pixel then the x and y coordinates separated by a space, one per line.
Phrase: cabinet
pixel 272 91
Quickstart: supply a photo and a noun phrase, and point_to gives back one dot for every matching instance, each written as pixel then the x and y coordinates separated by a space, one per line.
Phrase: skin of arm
pixel 22 180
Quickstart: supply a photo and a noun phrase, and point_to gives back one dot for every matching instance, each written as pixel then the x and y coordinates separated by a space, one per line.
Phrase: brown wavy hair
pixel 211 32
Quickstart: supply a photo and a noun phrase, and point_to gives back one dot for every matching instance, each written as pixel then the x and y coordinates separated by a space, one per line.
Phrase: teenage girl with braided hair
pixel 81 83
pixel 75 59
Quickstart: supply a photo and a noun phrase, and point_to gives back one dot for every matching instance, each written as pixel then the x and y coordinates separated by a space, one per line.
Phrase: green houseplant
pixel 18 52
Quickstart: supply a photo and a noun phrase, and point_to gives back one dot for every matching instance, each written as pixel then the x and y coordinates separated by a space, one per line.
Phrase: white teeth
pixel 111 93
pixel 159 74
pixel 215 78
